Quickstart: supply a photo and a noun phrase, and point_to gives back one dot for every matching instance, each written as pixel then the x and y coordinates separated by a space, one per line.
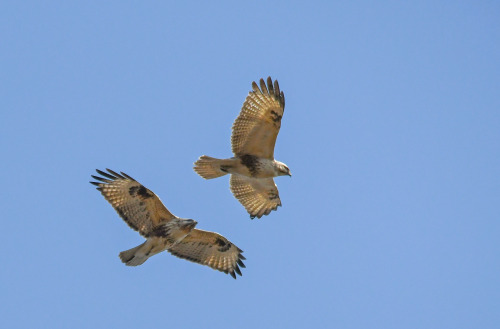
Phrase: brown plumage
pixel 143 211
pixel 253 140
pixel 256 128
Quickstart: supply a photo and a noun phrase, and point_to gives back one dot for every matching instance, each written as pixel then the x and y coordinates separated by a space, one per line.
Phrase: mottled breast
pixel 258 167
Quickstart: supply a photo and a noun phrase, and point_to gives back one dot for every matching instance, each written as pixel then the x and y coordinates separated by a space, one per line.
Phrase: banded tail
pixel 208 167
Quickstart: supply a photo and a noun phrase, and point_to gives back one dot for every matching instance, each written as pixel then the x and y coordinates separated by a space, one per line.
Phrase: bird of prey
pixel 253 138
pixel 143 211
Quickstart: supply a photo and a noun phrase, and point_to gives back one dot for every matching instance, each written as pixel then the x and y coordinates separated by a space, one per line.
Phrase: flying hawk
pixel 253 166
pixel 143 211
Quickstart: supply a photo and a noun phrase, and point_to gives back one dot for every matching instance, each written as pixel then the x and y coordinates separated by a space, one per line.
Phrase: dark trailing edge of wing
pixel 267 212
pixel 239 263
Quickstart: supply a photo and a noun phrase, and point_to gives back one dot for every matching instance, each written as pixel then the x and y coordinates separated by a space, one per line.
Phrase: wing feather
pixel 210 249
pixel 257 126
pixel 139 207
pixel 259 196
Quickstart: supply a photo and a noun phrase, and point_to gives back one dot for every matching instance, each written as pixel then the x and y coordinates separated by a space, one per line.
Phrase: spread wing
pixel 259 196
pixel 139 207
pixel 210 249
pixel 256 128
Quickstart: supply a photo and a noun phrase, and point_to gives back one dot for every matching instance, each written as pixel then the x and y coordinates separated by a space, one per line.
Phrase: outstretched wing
pixel 259 196
pixel 139 207
pixel 210 249
pixel 256 128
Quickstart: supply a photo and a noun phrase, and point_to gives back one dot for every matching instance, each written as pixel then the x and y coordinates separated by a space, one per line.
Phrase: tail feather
pixel 208 167
pixel 133 257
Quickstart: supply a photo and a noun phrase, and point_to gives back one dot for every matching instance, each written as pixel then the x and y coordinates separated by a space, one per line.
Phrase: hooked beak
pixel 290 174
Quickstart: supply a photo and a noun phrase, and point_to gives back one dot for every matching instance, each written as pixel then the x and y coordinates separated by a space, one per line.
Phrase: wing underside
pixel 210 249
pixel 138 206
pixel 257 126
pixel 259 196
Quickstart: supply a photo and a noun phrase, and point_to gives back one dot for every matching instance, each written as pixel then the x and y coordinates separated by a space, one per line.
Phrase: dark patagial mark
pixel 144 192
pixel 251 162
pixel 133 190
pixel 160 231
pixel 141 191
pixel 223 246
pixel 220 242
pixel 275 116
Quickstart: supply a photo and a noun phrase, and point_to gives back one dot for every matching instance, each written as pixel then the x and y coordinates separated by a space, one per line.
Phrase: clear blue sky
pixel 391 131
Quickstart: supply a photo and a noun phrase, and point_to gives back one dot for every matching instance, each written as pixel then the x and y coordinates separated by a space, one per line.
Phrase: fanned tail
pixel 208 167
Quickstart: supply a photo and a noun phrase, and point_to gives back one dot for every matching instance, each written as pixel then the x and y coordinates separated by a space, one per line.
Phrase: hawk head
pixel 283 170
pixel 186 225
pixel 175 230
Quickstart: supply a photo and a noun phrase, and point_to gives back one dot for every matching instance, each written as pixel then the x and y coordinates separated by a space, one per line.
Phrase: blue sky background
pixel 391 131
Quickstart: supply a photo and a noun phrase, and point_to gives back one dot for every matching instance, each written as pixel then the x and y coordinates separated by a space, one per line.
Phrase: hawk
pixel 253 138
pixel 143 211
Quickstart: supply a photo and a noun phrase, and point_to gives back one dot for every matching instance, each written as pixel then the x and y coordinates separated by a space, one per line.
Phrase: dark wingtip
pixel 101 179
pixel 237 270
pixel 278 94
pixel 115 173
pixel 263 87
pixel 233 275
pixel 127 176
pixel 105 174
pixel 270 85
